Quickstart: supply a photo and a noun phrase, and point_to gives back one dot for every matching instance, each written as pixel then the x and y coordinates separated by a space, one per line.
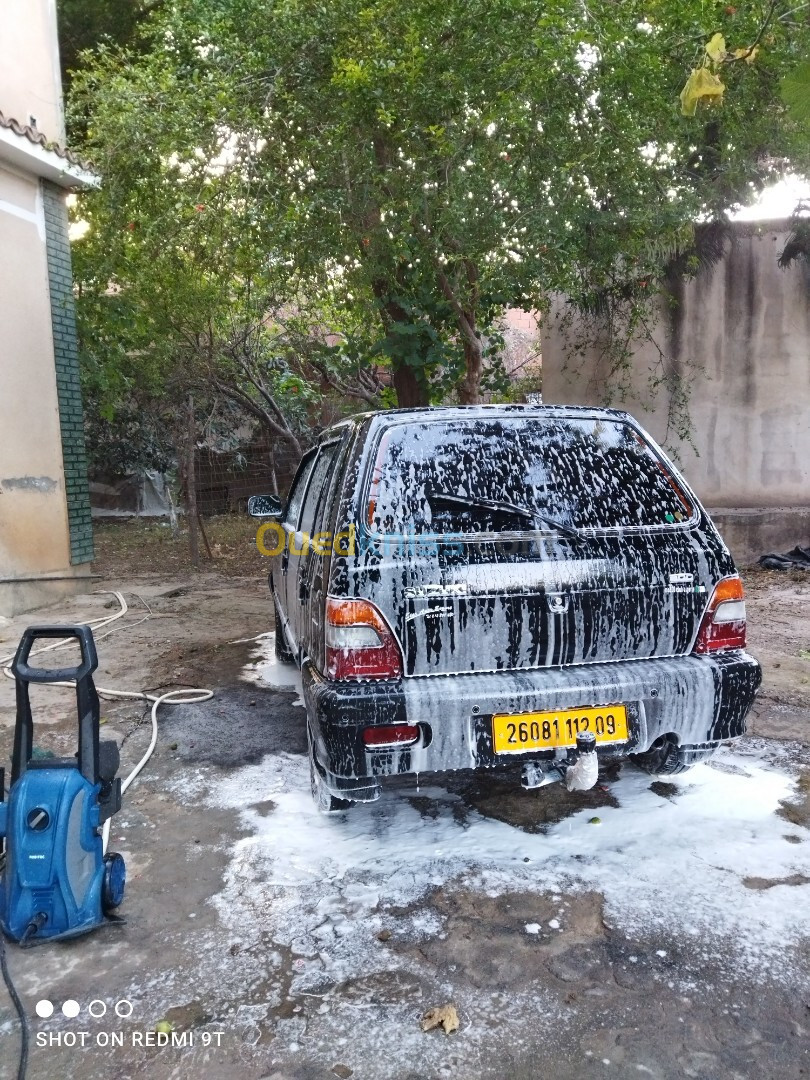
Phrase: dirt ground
pixel 642 929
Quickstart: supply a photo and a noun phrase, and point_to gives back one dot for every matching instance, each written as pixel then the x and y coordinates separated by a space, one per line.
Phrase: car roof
pixel 382 418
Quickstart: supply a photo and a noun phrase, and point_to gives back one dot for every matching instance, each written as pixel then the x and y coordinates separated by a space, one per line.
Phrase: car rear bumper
pixel 700 700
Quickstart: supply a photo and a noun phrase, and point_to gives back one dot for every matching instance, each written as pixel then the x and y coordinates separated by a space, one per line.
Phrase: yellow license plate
pixel 521 732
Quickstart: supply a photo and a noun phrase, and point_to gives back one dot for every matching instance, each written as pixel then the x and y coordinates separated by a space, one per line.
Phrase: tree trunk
pixel 409 393
pixel 191 487
pixel 469 391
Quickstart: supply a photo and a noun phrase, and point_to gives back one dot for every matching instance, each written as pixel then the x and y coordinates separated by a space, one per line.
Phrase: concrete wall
pixel 33 510
pixel 30 79
pixel 745 325
pixel 35 523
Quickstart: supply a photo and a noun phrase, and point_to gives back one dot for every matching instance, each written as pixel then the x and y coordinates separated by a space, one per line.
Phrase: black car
pixel 464 588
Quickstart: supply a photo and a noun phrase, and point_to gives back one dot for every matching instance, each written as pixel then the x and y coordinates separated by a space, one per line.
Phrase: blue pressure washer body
pixel 57 881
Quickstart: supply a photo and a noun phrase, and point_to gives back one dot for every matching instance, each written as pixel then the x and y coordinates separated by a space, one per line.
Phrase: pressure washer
pixel 57 881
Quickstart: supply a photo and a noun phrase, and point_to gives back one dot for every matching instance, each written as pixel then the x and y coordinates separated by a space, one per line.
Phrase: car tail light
pixel 391 735
pixel 723 625
pixel 359 642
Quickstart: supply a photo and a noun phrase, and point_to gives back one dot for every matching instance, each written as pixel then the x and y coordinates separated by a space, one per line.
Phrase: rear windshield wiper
pixel 506 508
pixel 558 526
pixel 483 504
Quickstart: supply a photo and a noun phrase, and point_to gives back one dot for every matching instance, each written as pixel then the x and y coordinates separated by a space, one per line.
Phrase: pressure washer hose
pixel 18 1006
pixel 175 697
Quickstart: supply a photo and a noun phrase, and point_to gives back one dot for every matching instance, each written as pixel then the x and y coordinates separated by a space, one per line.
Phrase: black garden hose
pixel 12 993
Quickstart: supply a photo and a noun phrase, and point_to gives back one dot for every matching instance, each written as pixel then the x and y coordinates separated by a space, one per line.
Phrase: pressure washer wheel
pixel 115 879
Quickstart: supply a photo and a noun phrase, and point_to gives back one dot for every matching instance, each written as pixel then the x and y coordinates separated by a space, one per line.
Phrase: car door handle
pixel 303 589
pixel 285 558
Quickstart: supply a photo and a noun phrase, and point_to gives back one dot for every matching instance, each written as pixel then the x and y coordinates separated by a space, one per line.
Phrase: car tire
pixel 324 799
pixel 662 759
pixel 283 653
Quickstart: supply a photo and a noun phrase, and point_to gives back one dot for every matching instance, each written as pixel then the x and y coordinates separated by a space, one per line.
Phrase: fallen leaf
pixel 443 1016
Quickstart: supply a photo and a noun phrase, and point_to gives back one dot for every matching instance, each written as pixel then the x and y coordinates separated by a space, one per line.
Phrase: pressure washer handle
pixel 86 698
pixel 22 671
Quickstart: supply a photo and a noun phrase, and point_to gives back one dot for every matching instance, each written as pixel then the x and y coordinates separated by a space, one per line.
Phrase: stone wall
pixel 743 330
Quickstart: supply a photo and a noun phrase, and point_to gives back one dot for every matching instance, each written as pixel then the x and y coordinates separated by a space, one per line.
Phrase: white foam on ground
pixel 306 895
pixel 264 669
pixel 673 864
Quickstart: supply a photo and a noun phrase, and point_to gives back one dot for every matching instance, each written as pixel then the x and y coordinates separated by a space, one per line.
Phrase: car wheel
pixel 324 799
pixel 662 759
pixel 282 649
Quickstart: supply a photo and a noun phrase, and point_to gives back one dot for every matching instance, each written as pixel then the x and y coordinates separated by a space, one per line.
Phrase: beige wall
pixel 746 325
pixel 30 82
pixel 33 510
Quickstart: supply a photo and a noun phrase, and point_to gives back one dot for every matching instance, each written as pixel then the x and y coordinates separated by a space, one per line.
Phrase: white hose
pixel 124 608
pixel 177 697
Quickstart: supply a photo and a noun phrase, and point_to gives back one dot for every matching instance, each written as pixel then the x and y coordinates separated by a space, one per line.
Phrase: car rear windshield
pixel 499 475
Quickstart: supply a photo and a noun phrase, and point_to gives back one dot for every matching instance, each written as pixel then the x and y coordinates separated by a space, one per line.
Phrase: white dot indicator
pixel 71 1008
pixel 44 1008
pixel 97 1008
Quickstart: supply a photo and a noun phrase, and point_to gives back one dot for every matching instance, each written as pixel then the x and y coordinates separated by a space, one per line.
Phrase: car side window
pixel 331 498
pixel 299 486
pixel 317 486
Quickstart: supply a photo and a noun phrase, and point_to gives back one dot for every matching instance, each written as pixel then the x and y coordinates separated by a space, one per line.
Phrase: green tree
pixel 84 24
pixel 419 166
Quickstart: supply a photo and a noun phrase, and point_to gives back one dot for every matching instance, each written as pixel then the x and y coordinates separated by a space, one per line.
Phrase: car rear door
pixel 535 543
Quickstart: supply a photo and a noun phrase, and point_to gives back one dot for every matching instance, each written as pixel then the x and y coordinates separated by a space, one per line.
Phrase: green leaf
pixel 795 89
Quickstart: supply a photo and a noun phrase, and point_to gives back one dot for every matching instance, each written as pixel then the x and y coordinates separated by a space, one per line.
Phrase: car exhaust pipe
pixel 580 771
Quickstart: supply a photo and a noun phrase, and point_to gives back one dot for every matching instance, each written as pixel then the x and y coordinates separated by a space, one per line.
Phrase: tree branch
pixel 370 396
pixel 759 37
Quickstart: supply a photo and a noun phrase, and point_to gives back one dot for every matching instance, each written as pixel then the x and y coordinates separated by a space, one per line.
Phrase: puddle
pixel 266 670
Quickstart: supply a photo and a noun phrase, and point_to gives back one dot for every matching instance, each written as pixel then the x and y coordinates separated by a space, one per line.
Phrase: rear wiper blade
pixel 484 504
pixel 558 526
pixel 508 508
